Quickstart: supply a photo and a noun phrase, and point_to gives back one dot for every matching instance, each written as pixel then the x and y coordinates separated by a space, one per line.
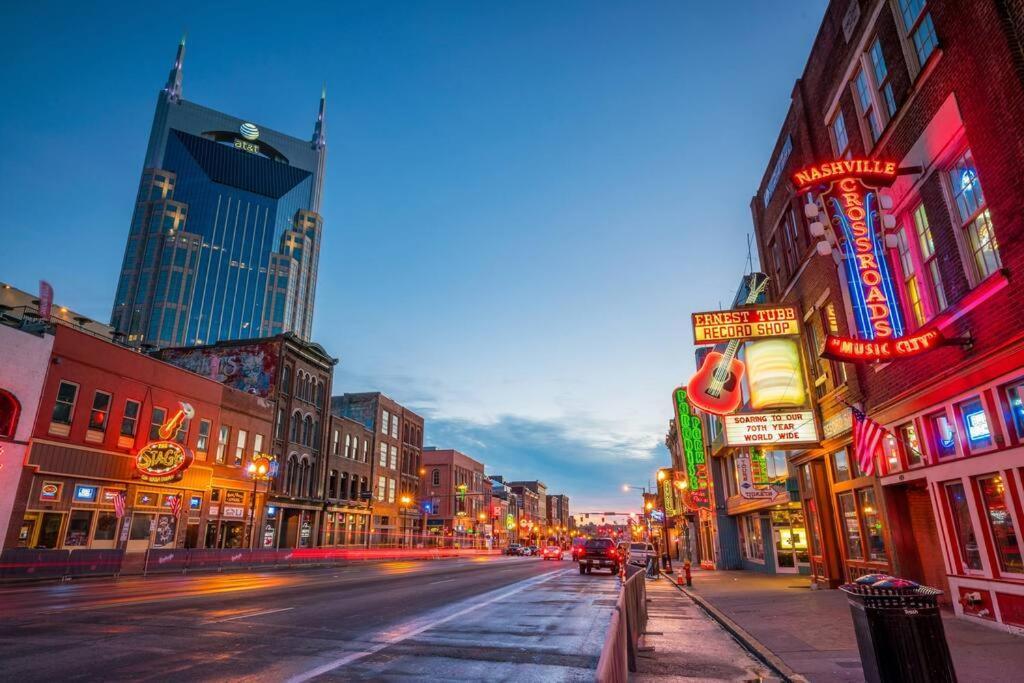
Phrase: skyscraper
pixel 225 237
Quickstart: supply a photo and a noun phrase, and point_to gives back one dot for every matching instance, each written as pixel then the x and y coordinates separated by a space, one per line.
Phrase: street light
pixel 661 475
pixel 261 468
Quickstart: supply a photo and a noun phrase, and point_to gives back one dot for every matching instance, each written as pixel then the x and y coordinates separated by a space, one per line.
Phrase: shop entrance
pixel 915 537
pixel 789 534
pixel 40 530
pixel 151 531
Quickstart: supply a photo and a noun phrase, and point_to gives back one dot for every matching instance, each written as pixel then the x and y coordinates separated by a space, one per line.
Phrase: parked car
pixel 552 552
pixel 577 547
pixel 638 553
pixel 513 549
pixel 599 553
pixel 534 550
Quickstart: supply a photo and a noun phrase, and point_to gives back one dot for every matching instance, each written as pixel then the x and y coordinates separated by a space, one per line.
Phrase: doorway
pixel 789 534
pixel 140 532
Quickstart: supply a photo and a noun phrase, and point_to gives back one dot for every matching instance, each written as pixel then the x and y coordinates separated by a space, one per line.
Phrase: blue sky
pixel 524 201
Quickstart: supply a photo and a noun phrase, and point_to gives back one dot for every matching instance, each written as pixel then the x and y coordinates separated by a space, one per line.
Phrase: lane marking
pixel 441 581
pixel 250 614
pixel 418 626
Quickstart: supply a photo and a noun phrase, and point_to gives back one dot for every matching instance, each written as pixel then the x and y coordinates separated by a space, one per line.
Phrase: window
pixel 130 419
pixel 753 541
pixel 223 436
pixel 926 245
pixel 974 216
pixel 279 424
pixel 383 455
pixel 332 483
pixel 850 526
pixel 381 486
pixel 840 138
pixel 867 110
pixel 435 477
pixel 296 436
pixel 240 448
pixel 394 426
pixel 966 539
pixel 872 525
pixel 907 435
pixel 100 411
pixel 391 490
pixel 64 408
pixel 384 422
pixel 1014 394
pixel 881 77
pixel 286 380
pixel 203 439
pixel 975 421
pixel 943 435
pixel 394 457
pixel 913 294
pixel 182 434
pixel 918 24
pixel 9 411
pixel 106 527
pixel 1000 523
pixel 348 443
pixel 156 421
pixel 841 460
pixel 257 443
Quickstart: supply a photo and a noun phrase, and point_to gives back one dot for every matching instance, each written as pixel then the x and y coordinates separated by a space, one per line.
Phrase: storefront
pixel 345 527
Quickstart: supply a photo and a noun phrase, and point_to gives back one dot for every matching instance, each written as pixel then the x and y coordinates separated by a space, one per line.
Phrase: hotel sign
pixel 714 327
pixel 770 429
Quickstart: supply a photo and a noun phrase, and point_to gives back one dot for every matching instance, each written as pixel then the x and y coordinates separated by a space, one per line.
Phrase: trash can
pixel 899 631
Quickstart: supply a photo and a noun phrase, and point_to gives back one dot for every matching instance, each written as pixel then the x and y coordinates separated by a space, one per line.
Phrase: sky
pixel 524 201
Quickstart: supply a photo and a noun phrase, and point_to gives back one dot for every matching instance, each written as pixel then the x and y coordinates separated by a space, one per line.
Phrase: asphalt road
pixel 491 618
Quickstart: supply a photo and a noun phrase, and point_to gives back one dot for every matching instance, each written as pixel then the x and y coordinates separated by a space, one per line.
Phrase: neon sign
pixel 745 323
pixel 164 461
pixel 860 351
pixel 856 168
pixel 690 432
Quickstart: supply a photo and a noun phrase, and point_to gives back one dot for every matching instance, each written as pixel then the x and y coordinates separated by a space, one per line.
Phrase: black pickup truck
pixel 599 553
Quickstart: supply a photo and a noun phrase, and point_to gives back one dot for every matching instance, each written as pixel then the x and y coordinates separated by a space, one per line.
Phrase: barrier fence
pixel 26 564
pixel 629 620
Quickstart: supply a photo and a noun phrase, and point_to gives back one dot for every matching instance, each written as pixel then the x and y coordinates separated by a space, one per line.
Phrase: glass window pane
pixel 1000 522
pixel 872 525
pixel 911 444
pixel 842 465
pixel 976 423
pixel 851 526
pixel 962 526
pixel 944 441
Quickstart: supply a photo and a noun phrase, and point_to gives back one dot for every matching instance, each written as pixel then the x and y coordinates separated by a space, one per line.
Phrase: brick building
pixel 395 454
pixel 347 491
pixel 937 88
pixel 458 495
pixel 100 407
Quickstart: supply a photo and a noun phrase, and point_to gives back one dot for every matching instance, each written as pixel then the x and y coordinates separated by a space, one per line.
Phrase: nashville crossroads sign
pixel 755 322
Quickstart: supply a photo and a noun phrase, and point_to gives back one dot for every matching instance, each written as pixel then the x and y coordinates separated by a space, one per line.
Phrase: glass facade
pixel 225 237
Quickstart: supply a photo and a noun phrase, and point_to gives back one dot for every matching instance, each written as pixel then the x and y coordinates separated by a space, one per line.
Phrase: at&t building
pixel 225 237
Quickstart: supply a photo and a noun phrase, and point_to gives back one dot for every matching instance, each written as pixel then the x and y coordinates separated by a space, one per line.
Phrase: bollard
pixel 686 568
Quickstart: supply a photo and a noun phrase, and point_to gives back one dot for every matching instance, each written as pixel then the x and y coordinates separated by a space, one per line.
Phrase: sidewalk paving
pixel 812 630
pixel 689 645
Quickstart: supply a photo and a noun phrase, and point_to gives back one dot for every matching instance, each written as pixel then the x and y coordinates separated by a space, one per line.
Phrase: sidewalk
pixel 812 632
pixel 689 645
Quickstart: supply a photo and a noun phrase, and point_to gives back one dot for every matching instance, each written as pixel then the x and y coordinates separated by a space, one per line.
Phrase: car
pixel 551 552
pixel 534 550
pixel 639 552
pixel 599 553
pixel 513 549
pixel 622 548
pixel 577 547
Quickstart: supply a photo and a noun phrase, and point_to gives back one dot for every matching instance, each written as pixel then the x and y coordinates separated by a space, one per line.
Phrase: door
pixel 140 532
pixel 49 530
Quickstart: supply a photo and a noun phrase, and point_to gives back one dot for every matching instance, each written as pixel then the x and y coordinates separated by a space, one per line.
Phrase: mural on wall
pixel 251 368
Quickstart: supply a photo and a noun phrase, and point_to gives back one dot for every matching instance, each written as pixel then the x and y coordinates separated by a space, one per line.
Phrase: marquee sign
pixel 770 429
pixel 745 323
pixel 690 431
pixel 860 351
pixel 165 460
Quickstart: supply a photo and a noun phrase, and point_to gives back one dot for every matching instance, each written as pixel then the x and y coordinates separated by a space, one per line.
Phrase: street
pixel 487 617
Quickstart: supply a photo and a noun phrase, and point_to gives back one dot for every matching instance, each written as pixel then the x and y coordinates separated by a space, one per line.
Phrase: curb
pixel 756 647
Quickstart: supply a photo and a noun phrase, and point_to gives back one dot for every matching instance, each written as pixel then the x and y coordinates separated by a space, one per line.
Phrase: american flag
pixel 119 499
pixel 174 502
pixel 867 434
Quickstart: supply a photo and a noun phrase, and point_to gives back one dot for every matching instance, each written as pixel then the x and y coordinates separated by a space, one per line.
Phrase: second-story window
pixel 840 138
pixel 222 444
pixel 156 422
pixel 911 289
pixel 919 26
pixel 64 407
pixel 240 448
pixel 926 245
pixel 867 105
pixel 100 412
pixel 130 419
pixel 203 440
pixel 975 218
pixel 881 73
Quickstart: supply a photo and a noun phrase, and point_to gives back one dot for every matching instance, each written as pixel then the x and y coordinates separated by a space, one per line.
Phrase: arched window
pixel 286 379
pixel 304 478
pixel 291 475
pixel 332 483
pixel 316 434
pixel 307 431
pixel 319 394
pixel 364 486
pixel 9 410
pixel 296 427
pixel 435 478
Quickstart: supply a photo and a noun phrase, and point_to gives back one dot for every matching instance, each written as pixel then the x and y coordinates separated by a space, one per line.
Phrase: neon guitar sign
pixel 715 387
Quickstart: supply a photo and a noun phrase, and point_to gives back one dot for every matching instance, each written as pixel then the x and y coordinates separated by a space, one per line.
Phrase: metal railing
pixel 628 623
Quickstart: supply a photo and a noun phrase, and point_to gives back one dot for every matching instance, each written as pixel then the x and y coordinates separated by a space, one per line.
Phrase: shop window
pixel 106 527
pixel 100 412
pixel 910 444
pixel 64 407
pixel 963 528
pixel 891 452
pixel 872 525
pixel 1000 523
pixel 975 422
pixel 130 419
pixel 943 437
pixel 156 422
pixel 77 534
pixel 850 526
pixel 841 463
pixel 753 540
pixel 1015 395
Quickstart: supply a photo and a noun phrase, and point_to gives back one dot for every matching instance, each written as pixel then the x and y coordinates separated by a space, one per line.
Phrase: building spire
pixel 319 131
pixel 173 87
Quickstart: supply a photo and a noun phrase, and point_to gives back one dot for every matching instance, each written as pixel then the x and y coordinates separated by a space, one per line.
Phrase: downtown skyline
pixel 531 272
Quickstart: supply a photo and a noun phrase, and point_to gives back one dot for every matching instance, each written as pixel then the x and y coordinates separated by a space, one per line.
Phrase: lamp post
pixel 406 501
pixel 260 469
